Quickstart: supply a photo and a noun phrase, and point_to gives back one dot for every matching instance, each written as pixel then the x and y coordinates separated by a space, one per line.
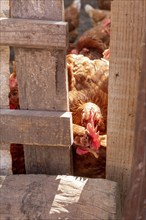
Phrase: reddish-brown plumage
pixel 92 48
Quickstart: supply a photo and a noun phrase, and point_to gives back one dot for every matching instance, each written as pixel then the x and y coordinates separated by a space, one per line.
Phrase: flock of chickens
pixel 88 71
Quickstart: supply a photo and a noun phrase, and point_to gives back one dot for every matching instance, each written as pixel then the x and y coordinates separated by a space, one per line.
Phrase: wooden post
pixel 40 53
pixel 135 205
pixel 5 158
pixel 127 32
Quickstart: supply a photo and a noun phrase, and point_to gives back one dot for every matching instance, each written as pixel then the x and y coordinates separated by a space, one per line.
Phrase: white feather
pixel 77 4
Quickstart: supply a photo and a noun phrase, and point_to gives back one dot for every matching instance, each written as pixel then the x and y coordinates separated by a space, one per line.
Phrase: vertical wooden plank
pixel 42 84
pixel 128 24
pixel 4 76
pixel 135 205
pixel 5 157
pixel 4 62
pixel 46 88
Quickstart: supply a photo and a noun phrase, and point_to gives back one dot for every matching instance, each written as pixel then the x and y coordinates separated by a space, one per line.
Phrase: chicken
pixel 89 161
pixel 96 15
pixel 87 165
pixel 104 4
pixel 81 102
pixel 88 101
pixel 80 136
pixel 91 48
pixel 89 90
pixel 106 54
pixel 13 94
pixel 86 140
pixel 98 33
pixel 81 112
pixel 84 73
pixel 72 15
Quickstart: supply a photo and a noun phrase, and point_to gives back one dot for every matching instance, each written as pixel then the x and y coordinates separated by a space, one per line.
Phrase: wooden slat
pixel 5 157
pixel 128 23
pixel 4 61
pixel 135 205
pixel 4 8
pixel 35 127
pixel 33 33
pixel 42 80
pixel 58 197
pixel 4 76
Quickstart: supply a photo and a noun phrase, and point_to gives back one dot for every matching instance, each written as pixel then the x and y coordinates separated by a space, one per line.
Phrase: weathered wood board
pixel 33 33
pixel 45 197
pixel 4 8
pixel 42 79
pixel 127 32
pixel 52 10
pixel 4 61
pixel 35 127
pixel 5 157
pixel 52 160
pixel 5 160
pixel 4 76
pixel 135 205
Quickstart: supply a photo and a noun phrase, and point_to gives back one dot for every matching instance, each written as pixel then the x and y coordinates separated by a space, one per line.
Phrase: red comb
pixel 106 22
pixel 95 136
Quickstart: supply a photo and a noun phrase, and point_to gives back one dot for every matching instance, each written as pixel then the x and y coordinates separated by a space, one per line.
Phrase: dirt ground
pixel 84 19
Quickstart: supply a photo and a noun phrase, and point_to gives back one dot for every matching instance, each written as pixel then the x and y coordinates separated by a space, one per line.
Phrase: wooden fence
pixel 43 91
pixel 39 35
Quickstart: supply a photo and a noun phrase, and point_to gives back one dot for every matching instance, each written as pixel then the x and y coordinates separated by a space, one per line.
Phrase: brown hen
pixel 99 33
pixel 85 73
pixel 72 15
pixel 96 15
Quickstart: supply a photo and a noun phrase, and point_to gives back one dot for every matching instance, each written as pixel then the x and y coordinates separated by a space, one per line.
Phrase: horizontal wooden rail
pixel 35 127
pixel 58 197
pixel 33 33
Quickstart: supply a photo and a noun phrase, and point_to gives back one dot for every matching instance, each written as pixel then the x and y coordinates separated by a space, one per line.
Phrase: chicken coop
pixel 38 133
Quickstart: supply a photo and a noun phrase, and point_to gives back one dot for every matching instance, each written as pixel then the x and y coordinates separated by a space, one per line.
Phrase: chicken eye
pixel 14 93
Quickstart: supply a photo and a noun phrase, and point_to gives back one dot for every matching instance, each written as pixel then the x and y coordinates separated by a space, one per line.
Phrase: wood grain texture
pixel 5 157
pixel 35 127
pixel 52 10
pixel 42 77
pixel 33 33
pixel 4 76
pixel 43 197
pixel 4 8
pixel 52 160
pixel 135 205
pixel 5 160
pixel 128 24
